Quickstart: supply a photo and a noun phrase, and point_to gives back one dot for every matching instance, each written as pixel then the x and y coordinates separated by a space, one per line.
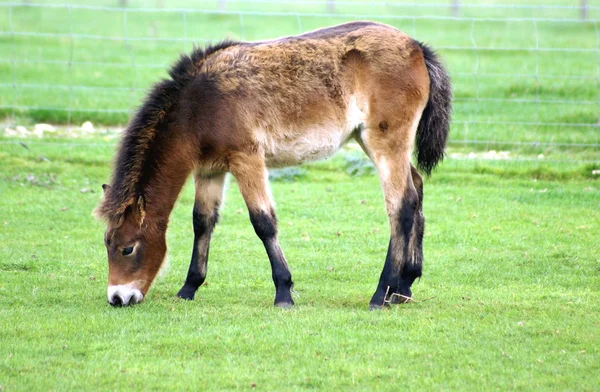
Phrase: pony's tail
pixel 433 128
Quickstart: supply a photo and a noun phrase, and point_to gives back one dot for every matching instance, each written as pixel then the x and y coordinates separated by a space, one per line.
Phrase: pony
pixel 243 107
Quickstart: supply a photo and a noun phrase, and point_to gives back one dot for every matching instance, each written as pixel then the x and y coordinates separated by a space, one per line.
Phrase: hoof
pixel 373 307
pixel 186 293
pixel 284 305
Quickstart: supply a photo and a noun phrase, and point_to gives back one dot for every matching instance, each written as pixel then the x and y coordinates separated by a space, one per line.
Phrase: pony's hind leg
pixel 388 146
pixel 252 178
pixel 209 193
pixel 402 204
pixel 413 263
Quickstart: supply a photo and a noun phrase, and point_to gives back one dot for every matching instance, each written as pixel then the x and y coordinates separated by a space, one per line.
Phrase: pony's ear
pixel 141 208
pixel 105 188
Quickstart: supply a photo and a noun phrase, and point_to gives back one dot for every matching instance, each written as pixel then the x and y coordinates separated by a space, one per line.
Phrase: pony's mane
pixel 137 140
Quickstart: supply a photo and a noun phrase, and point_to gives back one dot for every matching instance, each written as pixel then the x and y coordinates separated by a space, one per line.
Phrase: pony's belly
pixel 308 146
pixel 292 146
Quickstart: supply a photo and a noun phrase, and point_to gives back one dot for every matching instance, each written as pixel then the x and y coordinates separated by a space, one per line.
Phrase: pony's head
pixel 136 248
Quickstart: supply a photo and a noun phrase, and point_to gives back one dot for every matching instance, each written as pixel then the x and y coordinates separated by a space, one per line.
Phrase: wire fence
pixel 526 76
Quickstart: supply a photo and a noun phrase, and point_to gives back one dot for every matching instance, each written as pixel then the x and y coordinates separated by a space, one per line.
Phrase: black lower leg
pixel 265 226
pixel 203 227
pixel 413 261
pixel 401 266
pixel 387 281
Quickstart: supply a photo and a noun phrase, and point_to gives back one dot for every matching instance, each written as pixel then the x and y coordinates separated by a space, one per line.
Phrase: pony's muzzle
pixel 124 295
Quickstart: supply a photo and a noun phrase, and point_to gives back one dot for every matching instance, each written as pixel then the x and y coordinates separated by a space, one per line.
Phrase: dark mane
pixel 149 120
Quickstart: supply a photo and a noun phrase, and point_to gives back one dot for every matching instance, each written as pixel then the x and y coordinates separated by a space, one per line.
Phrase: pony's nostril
pixel 124 295
pixel 116 300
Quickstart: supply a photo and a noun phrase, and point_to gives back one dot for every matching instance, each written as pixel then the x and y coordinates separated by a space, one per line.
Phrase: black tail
pixel 435 121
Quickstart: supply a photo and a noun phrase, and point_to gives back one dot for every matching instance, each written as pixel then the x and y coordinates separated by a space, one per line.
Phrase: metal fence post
pixel 455 7
pixel 331 6
pixel 584 9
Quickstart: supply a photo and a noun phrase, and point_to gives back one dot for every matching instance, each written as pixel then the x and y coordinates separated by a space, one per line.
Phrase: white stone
pixel 22 130
pixel 87 127
pixel 44 128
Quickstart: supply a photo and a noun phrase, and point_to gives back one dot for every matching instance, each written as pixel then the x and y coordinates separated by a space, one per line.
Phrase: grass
pixel 511 257
pixel 511 246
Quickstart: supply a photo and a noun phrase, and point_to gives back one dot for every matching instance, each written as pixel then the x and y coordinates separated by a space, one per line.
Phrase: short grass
pixel 511 246
pixel 512 261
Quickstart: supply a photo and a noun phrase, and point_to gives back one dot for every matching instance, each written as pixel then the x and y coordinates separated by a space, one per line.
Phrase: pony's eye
pixel 127 251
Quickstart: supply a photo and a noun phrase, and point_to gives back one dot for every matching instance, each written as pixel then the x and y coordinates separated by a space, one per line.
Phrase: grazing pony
pixel 241 107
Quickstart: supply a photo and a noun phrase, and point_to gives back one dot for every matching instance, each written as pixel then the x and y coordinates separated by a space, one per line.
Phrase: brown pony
pixel 243 107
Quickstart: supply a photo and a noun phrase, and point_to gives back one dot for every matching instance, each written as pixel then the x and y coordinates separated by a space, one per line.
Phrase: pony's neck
pixel 167 179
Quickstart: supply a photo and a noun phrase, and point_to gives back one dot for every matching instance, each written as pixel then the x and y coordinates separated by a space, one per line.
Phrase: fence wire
pixel 526 76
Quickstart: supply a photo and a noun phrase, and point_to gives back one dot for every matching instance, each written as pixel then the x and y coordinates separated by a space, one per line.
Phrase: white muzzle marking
pixel 124 295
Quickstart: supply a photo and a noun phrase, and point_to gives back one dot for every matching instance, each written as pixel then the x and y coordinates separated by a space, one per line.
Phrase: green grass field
pixel 512 261
pixel 512 258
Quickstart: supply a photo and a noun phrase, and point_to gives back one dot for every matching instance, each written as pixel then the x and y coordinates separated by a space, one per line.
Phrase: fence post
pixel 584 9
pixel 455 7
pixel 222 5
pixel 331 6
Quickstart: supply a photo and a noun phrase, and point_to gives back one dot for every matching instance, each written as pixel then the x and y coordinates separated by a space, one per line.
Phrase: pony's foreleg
pixel 252 177
pixel 209 193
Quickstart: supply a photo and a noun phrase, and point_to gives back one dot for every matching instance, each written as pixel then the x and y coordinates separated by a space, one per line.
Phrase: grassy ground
pixel 511 259
pixel 511 246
